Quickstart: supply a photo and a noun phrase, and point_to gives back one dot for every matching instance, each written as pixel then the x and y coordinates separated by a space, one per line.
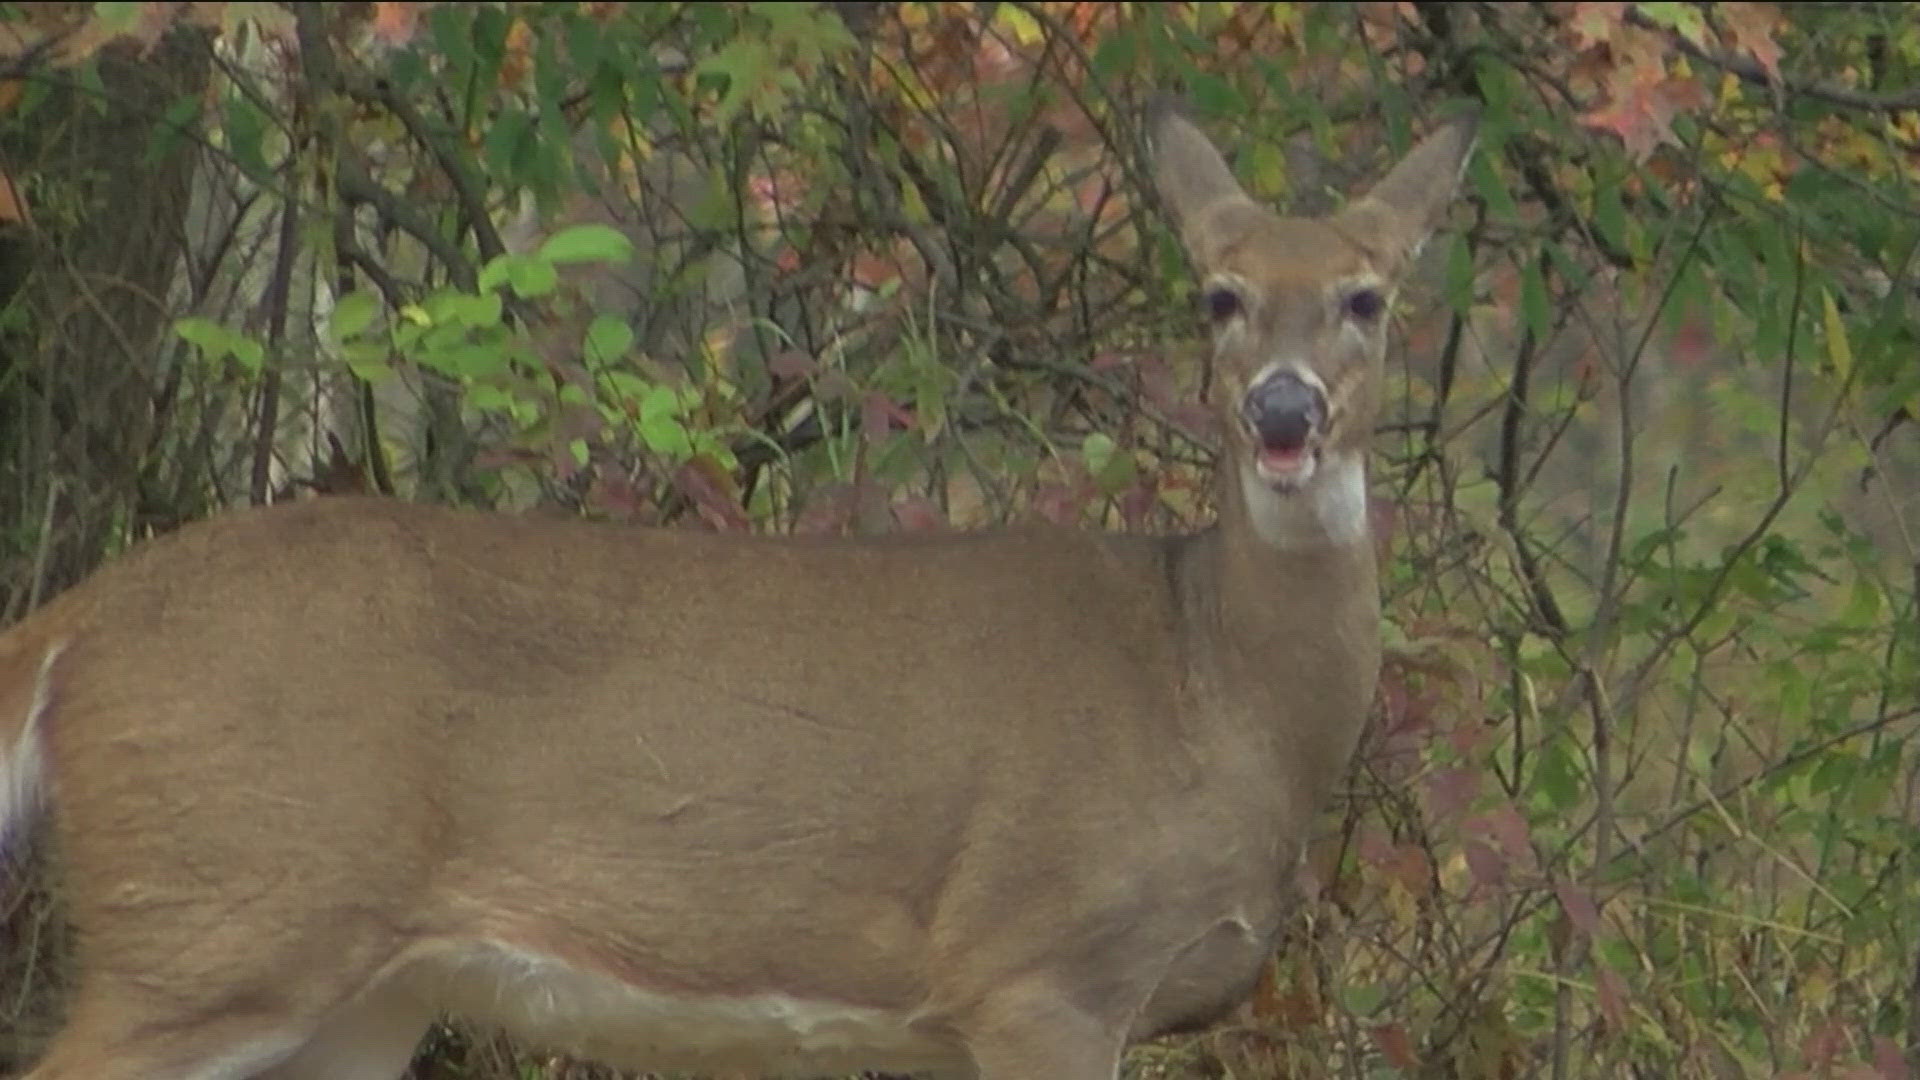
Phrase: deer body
pixel 982 805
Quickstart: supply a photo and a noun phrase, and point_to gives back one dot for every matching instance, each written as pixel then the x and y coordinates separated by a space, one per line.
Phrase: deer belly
pixel 554 1004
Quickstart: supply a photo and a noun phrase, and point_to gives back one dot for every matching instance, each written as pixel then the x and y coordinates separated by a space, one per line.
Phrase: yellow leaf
pixel 1024 28
pixel 1268 168
pixel 1839 349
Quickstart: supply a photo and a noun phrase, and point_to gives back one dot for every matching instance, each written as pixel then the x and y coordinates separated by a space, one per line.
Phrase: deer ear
pixel 1190 176
pixel 1404 207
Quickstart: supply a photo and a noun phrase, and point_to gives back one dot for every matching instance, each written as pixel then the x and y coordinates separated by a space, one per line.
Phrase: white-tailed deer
pixel 988 805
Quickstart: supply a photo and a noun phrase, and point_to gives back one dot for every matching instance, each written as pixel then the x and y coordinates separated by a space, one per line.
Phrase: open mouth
pixel 1284 463
pixel 1283 416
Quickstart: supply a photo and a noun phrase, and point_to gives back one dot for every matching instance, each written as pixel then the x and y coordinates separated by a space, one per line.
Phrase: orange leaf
pixel 1395 1046
pixel 1752 27
pixel 13 206
pixel 395 21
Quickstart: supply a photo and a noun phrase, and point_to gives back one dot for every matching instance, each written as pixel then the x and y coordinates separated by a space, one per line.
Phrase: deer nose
pixel 1283 409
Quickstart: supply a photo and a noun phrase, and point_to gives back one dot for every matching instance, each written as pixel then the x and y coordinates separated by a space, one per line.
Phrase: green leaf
pixel 466 309
pixel 208 336
pixel 1534 305
pixel 1864 605
pixel 216 342
pixel 249 353
pixel 587 243
pixel 509 143
pixel 1839 349
pixel 367 360
pixel 245 133
pixel 744 63
pixel 608 339
pixel 1684 19
pixel 1556 776
pixel 352 315
pixel 495 273
pixel 660 424
pixel 1492 187
pixel 1460 275
pixel 1213 95
pixel 1097 451
pixel 659 403
pixel 1610 214
pixel 181 117
pixel 532 277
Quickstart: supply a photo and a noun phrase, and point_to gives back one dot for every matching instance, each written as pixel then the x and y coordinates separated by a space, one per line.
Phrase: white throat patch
pixel 1331 507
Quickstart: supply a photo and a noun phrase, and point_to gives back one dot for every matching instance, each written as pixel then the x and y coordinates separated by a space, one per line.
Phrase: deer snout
pixel 1283 411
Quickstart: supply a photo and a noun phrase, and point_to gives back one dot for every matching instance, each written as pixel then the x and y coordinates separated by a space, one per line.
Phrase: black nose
pixel 1283 410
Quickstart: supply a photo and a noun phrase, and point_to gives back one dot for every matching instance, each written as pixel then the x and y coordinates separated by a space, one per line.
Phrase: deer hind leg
pixel 371 1038
pixel 110 1036
pixel 1034 1037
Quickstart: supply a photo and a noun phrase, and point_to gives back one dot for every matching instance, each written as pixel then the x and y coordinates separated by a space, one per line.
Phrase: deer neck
pixel 1328 513
pixel 1284 595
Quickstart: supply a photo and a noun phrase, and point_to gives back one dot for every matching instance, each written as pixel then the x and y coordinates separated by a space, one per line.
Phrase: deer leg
pixel 1033 1037
pixel 371 1038
pixel 114 1037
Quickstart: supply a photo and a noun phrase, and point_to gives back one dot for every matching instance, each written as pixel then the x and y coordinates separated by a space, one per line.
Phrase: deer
pixel 986 805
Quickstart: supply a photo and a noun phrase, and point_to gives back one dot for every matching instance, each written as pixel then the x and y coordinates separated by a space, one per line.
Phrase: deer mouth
pixel 1285 417
pixel 1284 468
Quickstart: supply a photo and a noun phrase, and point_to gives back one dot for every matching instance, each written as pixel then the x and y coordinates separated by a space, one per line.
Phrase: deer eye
pixel 1222 303
pixel 1363 304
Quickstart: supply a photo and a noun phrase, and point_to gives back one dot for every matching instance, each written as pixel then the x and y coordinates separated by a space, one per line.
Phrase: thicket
pixel 1640 797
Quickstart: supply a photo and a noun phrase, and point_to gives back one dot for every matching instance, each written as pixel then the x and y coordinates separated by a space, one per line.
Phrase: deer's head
pixel 1299 306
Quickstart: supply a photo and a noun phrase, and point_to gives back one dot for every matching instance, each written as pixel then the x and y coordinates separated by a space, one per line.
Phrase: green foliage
pixel 215 343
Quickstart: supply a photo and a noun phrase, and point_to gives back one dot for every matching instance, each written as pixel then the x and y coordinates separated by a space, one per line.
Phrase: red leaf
pixel 917 513
pixel 1195 419
pixel 1580 908
pixel 791 364
pixel 714 497
pixel 1384 515
pixel 1643 103
pixel 1395 1046
pixel 879 415
pixel 1451 790
pixel 1820 1045
pixel 1489 869
pixel 1063 503
pixel 1139 500
pixel 1888 1059
pixel 1374 847
pixel 1410 867
pixel 1510 830
pixel 1613 997
pixel 827 511
pixel 1156 382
